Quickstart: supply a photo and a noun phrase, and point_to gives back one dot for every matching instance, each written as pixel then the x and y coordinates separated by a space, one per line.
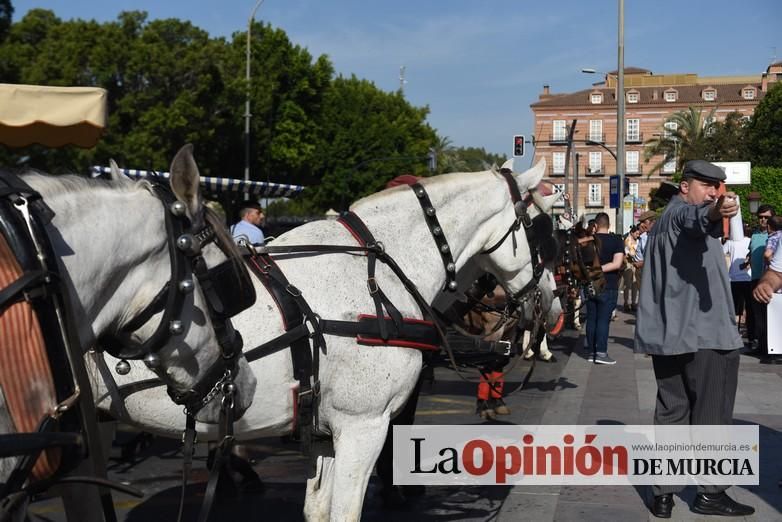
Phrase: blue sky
pixel 478 65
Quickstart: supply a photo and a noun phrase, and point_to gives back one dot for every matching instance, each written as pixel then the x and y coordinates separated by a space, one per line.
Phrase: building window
pixel 633 188
pixel 560 187
pixel 596 130
pixel 558 163
pixel 669 167
pixel 709 95
pixel 632 97
pixel 631 162
pixel 748 94
pixel 708 125
pixel 595 195
pixel 558 130
pixel 633 130
pixel 595 162
pixel 670 96
pixel 669 127
pixel 596 97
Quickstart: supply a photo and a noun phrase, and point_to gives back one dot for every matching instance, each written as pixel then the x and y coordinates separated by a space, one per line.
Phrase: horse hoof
pixel 484 410
pixel 551 359
pixel 499 407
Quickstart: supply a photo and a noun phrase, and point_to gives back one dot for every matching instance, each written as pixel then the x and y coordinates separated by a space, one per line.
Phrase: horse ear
pixel 546 196
pixel 529 179
pixel 185 179
pixel 508 165
pixel 116 174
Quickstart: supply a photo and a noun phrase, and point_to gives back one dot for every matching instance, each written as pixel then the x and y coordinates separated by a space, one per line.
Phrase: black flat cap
pixel 704 170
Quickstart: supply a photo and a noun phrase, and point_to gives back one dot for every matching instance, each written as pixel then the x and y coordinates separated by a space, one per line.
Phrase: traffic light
pixel 518 145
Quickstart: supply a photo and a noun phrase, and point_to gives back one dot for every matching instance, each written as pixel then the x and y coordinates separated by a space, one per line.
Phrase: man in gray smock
pixel 686 322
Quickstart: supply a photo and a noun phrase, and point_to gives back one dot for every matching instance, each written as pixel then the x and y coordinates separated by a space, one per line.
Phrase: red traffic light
pixel 518 145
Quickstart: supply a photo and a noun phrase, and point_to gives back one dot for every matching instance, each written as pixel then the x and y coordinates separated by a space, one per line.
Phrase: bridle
pixel 227 290
pixel 536 230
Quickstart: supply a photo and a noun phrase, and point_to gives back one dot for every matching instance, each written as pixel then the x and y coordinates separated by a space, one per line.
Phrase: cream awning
pixel 51 116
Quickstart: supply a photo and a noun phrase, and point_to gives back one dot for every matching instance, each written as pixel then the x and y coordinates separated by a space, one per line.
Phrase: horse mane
pixel 64 184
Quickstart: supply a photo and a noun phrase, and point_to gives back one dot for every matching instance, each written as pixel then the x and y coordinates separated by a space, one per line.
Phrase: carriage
pixel 360 290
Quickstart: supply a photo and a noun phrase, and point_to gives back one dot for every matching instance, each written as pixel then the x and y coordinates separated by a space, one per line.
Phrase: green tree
pixel 686 142
pixel 367 137
pixel 6 16
pixel 765 181
pixel 764 131
pixel 727 140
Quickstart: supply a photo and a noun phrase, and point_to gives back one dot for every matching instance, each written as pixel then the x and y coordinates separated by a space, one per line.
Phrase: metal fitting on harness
pixel 372 285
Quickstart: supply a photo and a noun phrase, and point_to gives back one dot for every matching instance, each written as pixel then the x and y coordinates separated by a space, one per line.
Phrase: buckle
pixel 295 292
pixel 372 285
pixel 507 347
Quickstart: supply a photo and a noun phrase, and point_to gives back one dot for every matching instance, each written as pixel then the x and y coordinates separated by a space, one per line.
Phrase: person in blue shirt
pixel 248 228
pixel 757 326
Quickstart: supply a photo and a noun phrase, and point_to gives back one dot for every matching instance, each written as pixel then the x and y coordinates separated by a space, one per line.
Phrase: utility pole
pixel 247 114
pixel 570 134
pixel 402 80
pixel 620 118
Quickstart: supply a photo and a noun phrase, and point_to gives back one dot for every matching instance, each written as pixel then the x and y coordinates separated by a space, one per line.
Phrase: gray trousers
pixel 695 388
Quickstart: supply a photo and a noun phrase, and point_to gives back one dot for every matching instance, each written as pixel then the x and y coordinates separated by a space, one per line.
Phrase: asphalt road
pixel 155 468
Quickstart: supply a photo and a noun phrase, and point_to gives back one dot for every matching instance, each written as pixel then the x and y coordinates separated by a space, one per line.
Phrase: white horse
pixel 111 243
pixel 362 387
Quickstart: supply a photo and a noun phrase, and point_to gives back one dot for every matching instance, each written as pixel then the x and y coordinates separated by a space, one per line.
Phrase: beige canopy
pixel 51 116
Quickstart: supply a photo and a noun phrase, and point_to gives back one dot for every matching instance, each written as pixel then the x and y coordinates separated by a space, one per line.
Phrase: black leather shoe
pixel 720 504
pixel 663 505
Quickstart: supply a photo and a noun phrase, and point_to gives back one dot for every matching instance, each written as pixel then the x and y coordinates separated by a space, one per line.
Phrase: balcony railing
pixel 599 171
pixel 634 171
pixel 592 203
pixel 637 137
pixel 556 172
pixel 597 138
pixel 554 139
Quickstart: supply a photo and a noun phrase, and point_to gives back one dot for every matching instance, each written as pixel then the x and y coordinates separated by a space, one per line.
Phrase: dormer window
pixel 748 93
pixel 671 95
pixel 596 97
pixel 709 94
pixel 632 97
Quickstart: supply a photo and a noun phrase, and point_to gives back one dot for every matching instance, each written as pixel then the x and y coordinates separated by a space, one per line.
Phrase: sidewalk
pixel 625 393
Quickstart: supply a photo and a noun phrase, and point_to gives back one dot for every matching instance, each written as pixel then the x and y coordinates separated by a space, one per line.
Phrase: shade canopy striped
pixel 219 185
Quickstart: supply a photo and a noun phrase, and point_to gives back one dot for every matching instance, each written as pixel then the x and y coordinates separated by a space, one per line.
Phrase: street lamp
pixel 620 113
pixel 247 115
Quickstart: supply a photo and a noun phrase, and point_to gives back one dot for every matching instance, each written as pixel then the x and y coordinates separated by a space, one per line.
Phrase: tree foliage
pixel 766 182
pixel 688 141
pixel 170 83
pixel 764 131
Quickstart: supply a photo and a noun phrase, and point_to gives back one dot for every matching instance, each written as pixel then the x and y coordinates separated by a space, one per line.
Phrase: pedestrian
pixel 645 224
pixel 248 228
pixel 757 250
pixel 630 276
pixel 687 323
pixel 774 233
pixel 739 274
pixel 771 281
pixel 610 252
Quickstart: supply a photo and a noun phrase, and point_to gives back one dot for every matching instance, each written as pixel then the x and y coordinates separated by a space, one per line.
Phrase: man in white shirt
pixel 645 224
pixel 739 273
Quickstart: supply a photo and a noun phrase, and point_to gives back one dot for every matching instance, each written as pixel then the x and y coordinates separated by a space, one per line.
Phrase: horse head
pixel 518 254
pixel 146 267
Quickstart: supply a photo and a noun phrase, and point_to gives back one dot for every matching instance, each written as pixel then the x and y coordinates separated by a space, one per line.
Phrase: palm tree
pixel 684 141
pixel 448 159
